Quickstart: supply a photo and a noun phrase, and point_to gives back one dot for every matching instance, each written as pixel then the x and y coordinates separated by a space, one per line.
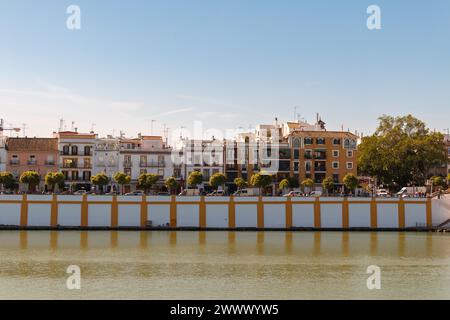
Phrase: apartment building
pixel 32 154
pixel 145 154
pixel 76 158
pixel 447 147
pixel 205 156
pixel 294 149
pixel 106 156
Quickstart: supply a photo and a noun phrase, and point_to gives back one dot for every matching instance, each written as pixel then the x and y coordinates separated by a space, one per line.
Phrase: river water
pixel 223 265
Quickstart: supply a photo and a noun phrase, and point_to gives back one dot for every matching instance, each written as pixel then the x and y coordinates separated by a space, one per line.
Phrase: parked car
pixel 135 193
pixel 251 192
pixel 383 193
pixel 163 194
pixel 293 194
pixel 189 192
pixel 218 193
pixel 315 194
pixel 80 192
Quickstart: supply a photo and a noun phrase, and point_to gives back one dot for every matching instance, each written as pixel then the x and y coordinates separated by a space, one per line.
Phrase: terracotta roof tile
pixel 32 144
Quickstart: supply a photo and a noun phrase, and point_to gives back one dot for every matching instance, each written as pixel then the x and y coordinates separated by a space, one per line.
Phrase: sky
pixel 231 64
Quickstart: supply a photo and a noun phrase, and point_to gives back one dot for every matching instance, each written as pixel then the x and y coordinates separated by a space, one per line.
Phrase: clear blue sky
pixel 228 63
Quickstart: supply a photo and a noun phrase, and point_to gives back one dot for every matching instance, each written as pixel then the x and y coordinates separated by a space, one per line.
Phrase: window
pixel 335 153
pixel 349 165
pixel 320 141
pixel 335 165
pixel 161 173
pixel 308 154
pixel 143 171
pixel 127 171
pixel 336 141
pixel 296 143
pixel 308 166
pixel 74 150
pixel 308 140
pixel 349 153
pixel 336 178
pixel 87 151
pixel 66 150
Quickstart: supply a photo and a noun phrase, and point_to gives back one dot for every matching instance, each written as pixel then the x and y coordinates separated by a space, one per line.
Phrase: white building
pixel 146 154
pixel 205 156
pixel 106 156
pixel 76 157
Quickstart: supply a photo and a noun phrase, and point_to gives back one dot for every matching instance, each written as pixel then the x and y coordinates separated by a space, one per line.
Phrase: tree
pixel 438 181
pixel 400 152
pixel 147 180
pixel 328 184
pixel 240 183
pixel 122 179
pixel 195 178
pixel 217 179
pixel 284 184
pixel 31 178
pixel 100 180
pixel 350 182
pixel 53 179
pixel 171 184
pixel 307 183
pixel 7 180
pixel 261 180
pixel 448 179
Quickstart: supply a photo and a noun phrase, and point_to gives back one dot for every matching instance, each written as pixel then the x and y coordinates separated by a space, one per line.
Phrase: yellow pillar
pixel 288 213
pixel 260 211
pixel 317 214
pixel 24 211
pixel 173 212
pixel 54 212
pixel 401 213
pixel 429 213
pixel 84 212
pixel 144 211
pixel 373 213
pixel 231 213
pixel 345 214
pixel 114 212
pixel 202 213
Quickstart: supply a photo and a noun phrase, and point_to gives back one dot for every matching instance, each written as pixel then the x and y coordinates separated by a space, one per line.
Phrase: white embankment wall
pixel 220 212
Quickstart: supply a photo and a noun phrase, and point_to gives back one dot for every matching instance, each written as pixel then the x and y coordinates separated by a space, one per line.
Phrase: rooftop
pixel 32 144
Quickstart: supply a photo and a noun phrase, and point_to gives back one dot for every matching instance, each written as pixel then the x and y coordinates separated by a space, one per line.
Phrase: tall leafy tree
pixel 350 182
pixel 328 184
pixel 121 179
pixel 171 184
pixel 217 180
pixel 240 183
pixel 261 180
pixel 100 180
pixel 400 152
pixel 53 179
pixel 31 179
pixel 7 180
pixel 308 183
pixel 195 178
pixel 146 181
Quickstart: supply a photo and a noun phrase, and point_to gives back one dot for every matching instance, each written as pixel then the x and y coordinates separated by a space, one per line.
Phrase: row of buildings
pixel 293 149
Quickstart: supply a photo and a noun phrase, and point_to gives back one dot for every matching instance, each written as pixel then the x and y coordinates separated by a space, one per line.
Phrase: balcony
pixel 14 162
pixel 49 163
pixel 153 164
pixel 127 164
pixel 32 162
pixel 320 169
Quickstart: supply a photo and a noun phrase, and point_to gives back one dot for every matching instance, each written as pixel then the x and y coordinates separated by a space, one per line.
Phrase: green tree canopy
pixel 100 180
pixel 400 152
pixel 122 179
pixel 171 184
pixel 308 183
pixel 240 183
pixel 261 180
pixel 31 178
pixel 284 184
pixel 53 179
pixel 350 181
pixel 7 180
pixel 328 184
pixel 438 181
pixel 217 179
pixel 195 178
pixel 147 180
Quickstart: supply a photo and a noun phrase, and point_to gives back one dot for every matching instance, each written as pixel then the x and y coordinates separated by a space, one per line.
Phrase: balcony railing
pixel 14 162
pixel 152 164
pixel 320 169
pixel 49 163
pixel 32 162
pixel 127 164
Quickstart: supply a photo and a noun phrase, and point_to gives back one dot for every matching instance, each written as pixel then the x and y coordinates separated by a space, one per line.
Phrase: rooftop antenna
pixel 61 125
pixel 73 126
pixel 24 127
pixel 93 127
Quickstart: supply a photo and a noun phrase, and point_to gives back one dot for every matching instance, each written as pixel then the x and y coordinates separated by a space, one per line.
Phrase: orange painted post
pixel 288 213
pixel 373 213
pixel 231 213
pixel 317 214
pixel 144 211
pixel 345 214
pixel 401 213
pixel 114 212
pixel 260 212
pixel 54 212
pixel 173 212
pixel 24 211
pixel 429 213
pixel 84 212
pixel 202 213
